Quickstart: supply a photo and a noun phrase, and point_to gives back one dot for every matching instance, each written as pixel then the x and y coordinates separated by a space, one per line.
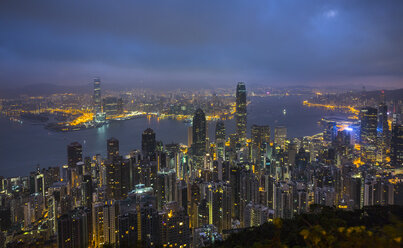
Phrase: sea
pixel 25 146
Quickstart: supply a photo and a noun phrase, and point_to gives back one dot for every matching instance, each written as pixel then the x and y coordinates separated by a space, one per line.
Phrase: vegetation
pixel 327 227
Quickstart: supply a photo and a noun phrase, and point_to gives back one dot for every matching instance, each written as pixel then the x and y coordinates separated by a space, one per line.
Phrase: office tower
pixel 240 114
pixel 280 136
pixel 220 139
pixel 174 226
pixel 37 182
pixel 148 143
pixel 113 149
pixel 199 138
pixel 260 138
pixel 74 154
pixel 97 96
pixel 396 151
pixel 369 120
pixel 112 106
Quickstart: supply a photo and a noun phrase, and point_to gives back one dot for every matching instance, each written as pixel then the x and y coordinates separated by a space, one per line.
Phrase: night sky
pixel 210 43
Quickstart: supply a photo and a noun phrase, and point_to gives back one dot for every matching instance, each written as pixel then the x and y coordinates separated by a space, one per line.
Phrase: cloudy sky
pixel 209 42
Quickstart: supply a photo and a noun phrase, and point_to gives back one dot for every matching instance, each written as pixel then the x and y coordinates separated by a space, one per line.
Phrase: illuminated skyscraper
pixel 113 148
pixel 174 226
pixel 148 143
pixel 369 123
pixel 383 131
pixel 97 96
pixel 260 137
pixel 240 115
pixel 74 154
pixel 280 136
pixel 220 139
pixel 199 133
pixel 396 152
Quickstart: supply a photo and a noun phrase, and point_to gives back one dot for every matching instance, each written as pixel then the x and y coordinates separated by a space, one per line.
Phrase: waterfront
pixel 24 146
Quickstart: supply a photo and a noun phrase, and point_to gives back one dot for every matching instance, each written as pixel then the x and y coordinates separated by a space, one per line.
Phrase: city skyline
pixel 197 124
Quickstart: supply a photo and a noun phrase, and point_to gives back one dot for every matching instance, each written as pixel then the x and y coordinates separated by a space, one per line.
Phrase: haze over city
pixel 202 43
pixel 200 124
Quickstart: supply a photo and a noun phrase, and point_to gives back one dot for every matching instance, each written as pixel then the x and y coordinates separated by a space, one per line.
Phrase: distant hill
pixel 327 227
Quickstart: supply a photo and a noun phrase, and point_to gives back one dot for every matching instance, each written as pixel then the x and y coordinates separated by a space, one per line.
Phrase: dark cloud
pixel 307 42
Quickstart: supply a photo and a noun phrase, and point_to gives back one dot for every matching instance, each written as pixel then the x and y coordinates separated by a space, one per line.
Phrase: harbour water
pixel 24 146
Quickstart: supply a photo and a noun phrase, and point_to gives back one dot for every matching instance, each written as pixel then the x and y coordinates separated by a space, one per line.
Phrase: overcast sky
pixel 209 43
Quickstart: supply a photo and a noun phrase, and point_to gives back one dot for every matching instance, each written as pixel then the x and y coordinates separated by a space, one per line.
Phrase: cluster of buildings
pixel 176 195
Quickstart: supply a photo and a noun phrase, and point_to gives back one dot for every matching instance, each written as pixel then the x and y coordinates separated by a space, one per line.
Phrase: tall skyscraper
pixel 220 139
pixel 148 143
pixel 280 136
pixel 97 96
pixel 260 137
pixel 199 133
pixel 74 154
pixel 240 115
pixel 113 148
pixel 396 152
pixel 369 123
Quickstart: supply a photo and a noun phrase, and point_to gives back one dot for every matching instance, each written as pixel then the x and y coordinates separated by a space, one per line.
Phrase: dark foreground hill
pixel 327 227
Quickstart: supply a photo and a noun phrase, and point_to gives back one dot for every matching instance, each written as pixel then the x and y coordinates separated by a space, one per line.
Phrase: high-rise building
pixel 174 226
pixel 97 96
pixel 110 222
pixel 369 123
pixel 260 138
pixel 220 139
pixel 113 149
pixel 74 154
pixel 280 136
pixel 396 153
pixel 240 114
pixel 73 229
pixel 148 143
pixel 199 133
pixel 383 131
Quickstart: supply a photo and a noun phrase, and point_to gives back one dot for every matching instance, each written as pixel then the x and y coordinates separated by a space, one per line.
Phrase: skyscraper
pixel 148 143
pixel 369 123
pixel 396 152
pixel 220 139
pixel 280 136
pixel 260 137
pixel 97 96
pixel 74 154
pixel 113 148
pixel 240 115
pixel 199 133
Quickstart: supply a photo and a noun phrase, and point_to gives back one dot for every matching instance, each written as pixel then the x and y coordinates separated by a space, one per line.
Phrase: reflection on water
pixel 24 146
